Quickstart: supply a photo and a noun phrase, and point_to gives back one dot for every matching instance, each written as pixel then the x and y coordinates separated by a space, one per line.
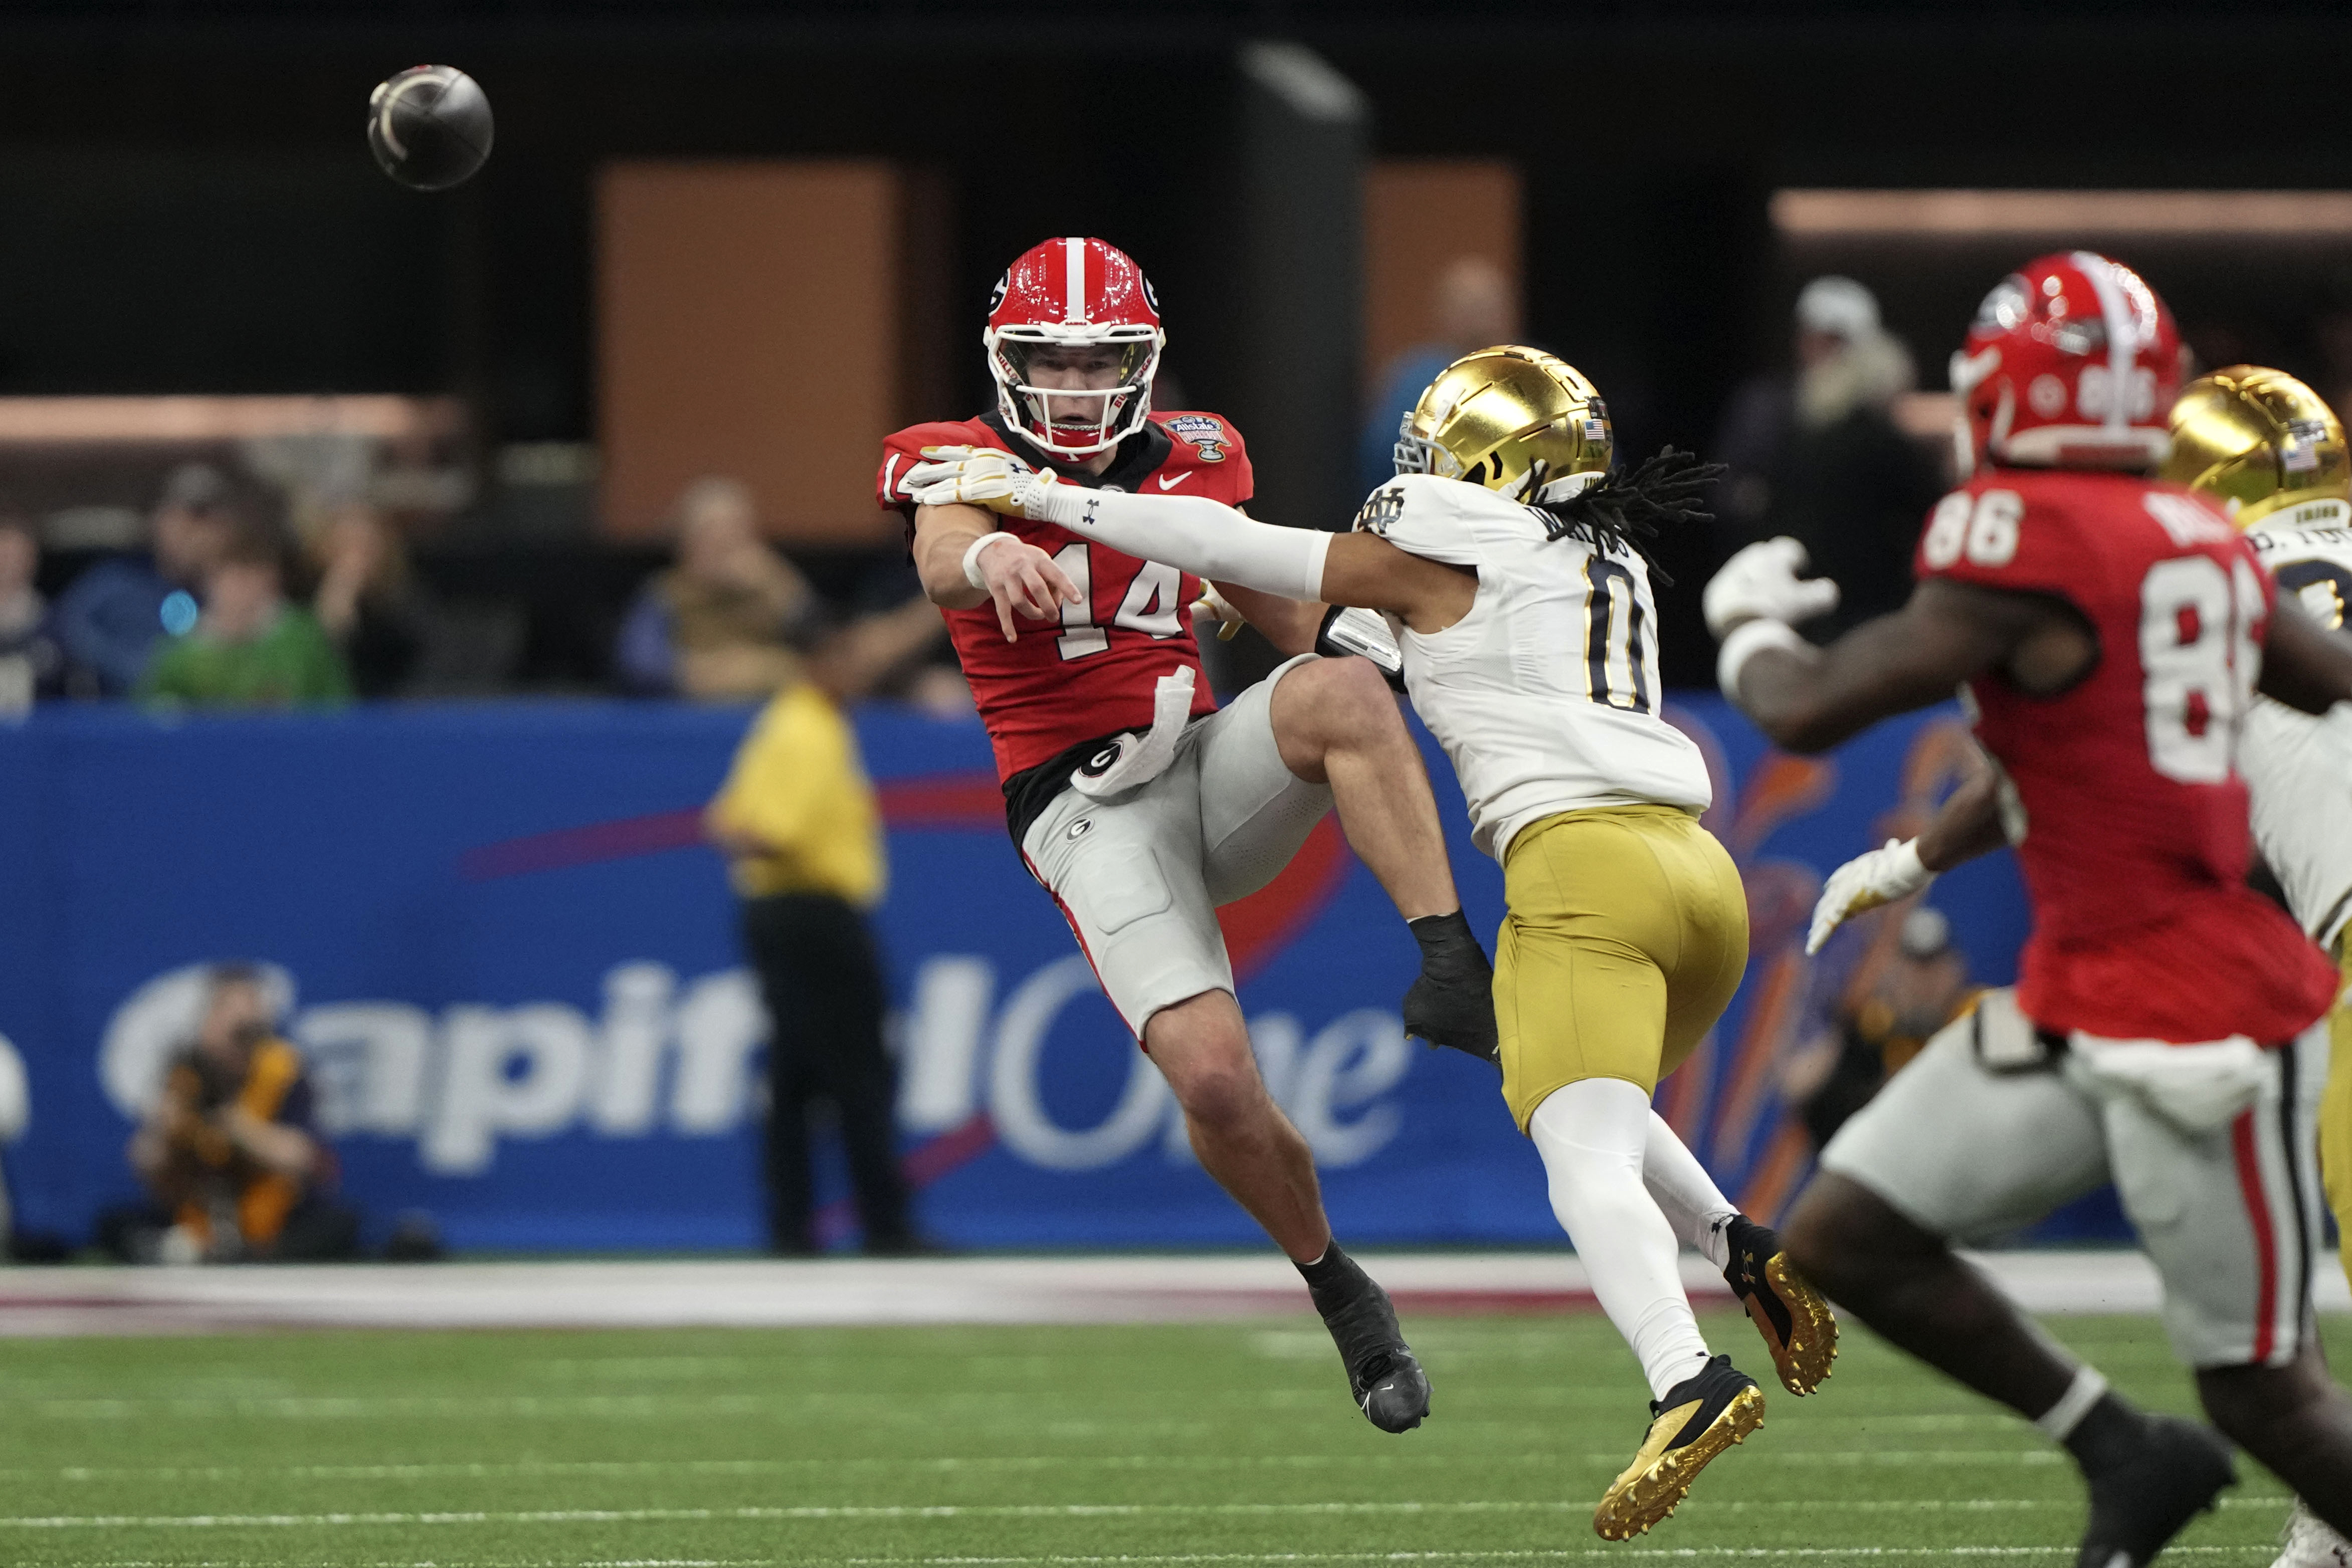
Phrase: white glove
pixel 976 476
pixel 1865 882
pixel 1761 583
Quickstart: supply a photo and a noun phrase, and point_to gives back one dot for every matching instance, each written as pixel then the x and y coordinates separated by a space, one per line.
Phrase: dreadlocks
pixel 1627 509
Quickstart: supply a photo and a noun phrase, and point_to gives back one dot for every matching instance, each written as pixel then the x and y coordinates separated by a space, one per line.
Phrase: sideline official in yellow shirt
pixel 798 821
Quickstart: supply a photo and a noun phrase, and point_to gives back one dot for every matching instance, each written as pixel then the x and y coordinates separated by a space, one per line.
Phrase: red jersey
pixel 1052 690
pixel 2123 796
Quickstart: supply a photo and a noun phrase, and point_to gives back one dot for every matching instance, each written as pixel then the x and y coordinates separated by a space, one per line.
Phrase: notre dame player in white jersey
pixel 2273 454
pixel 1504 558
pixel 2265 447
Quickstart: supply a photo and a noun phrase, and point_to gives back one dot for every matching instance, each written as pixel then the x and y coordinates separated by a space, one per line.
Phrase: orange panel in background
pixel 747 324
pixel 1421 214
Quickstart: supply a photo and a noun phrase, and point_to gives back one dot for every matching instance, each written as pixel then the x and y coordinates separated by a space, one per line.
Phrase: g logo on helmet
pixel 996 295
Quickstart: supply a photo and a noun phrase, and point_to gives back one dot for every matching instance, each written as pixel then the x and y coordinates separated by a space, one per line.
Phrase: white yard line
pixel 871 1407
pixel 998 1511
pixel 1567 1554
pixel 854 1291
pixel 1556 1555
pixel 1905 1456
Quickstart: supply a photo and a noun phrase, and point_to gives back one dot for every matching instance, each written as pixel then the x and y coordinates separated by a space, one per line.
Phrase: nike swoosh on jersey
pixel 1170 481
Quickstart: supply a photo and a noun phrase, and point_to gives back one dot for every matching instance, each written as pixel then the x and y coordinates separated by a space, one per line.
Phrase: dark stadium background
pixel 190 208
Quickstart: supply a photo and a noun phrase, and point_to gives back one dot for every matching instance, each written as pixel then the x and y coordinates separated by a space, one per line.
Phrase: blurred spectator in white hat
pixel 1814 453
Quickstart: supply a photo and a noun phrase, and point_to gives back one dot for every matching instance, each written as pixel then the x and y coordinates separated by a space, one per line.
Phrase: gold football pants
pixel 2336 1108
pixel 1625 936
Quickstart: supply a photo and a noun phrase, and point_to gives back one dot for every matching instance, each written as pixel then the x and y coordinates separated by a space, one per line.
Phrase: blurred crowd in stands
pixel 253 588
pixel 234 604
pixel 1837 444
pixel 1814 452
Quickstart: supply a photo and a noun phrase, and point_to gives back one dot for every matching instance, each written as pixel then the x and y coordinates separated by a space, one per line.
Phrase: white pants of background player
pixel 1140 873
pixel 2228 1211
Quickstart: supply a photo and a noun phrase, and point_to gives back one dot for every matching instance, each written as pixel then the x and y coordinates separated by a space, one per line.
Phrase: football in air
pixel 429 127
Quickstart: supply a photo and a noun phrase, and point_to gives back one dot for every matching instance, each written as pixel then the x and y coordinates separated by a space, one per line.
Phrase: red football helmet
pixel 2073 362
pixel 1070 293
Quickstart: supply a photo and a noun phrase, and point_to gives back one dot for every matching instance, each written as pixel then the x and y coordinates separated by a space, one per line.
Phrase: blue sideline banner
pixel 514 968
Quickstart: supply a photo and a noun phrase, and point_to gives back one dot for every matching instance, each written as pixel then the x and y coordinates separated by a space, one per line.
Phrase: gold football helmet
pixel 2258 441
pixel 1515 420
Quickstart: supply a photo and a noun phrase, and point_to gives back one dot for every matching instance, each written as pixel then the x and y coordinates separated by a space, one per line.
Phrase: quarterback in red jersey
pixel 2110 633
pixel 1140 804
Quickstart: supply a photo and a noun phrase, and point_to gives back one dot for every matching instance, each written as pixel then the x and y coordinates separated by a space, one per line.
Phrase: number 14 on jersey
pixel 1152 605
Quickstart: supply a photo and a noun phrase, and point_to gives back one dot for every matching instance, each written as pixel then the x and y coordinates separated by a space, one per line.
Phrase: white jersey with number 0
pixel 1546 694
pixel 2299 767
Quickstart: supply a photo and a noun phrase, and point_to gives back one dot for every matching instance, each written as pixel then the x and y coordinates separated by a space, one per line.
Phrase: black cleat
pixel 1387 1382
pixel 1452 1004
pixel 1796 1324
pixel 1700 1416
pixel 2140 1504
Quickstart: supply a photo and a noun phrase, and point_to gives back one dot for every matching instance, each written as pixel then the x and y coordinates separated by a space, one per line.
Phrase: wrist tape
pixel 971 558
pixel 1747 640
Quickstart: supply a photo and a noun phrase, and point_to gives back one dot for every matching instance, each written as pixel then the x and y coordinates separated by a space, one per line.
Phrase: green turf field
pixel 1013 1447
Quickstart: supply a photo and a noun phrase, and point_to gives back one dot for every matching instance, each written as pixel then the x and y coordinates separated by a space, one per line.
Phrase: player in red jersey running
pixel 1138 803
pixel 2110 633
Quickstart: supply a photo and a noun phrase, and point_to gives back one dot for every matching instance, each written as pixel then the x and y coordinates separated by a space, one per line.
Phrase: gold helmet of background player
pixel 2258 438
pixel 1515 420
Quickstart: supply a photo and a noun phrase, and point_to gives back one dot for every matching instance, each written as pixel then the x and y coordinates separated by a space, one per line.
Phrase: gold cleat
pixel 1700 1418
pixel 1796 1324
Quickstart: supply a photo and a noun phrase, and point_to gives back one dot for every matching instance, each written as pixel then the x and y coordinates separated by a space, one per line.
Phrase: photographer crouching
pixel 230 1153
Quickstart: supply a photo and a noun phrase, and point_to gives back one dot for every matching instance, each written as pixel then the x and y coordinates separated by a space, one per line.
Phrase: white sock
pixel 1685 1193
pixel 1591 1135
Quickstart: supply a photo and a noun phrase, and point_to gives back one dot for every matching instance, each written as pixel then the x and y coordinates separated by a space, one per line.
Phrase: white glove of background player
pixel 1761 583
pixel 1865 882
pixel 976 476
pixel 1230 621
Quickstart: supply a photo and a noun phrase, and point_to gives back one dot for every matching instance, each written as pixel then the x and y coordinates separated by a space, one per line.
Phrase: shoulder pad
pixel 902 449
pixel 1420 514
pixel 1999 532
